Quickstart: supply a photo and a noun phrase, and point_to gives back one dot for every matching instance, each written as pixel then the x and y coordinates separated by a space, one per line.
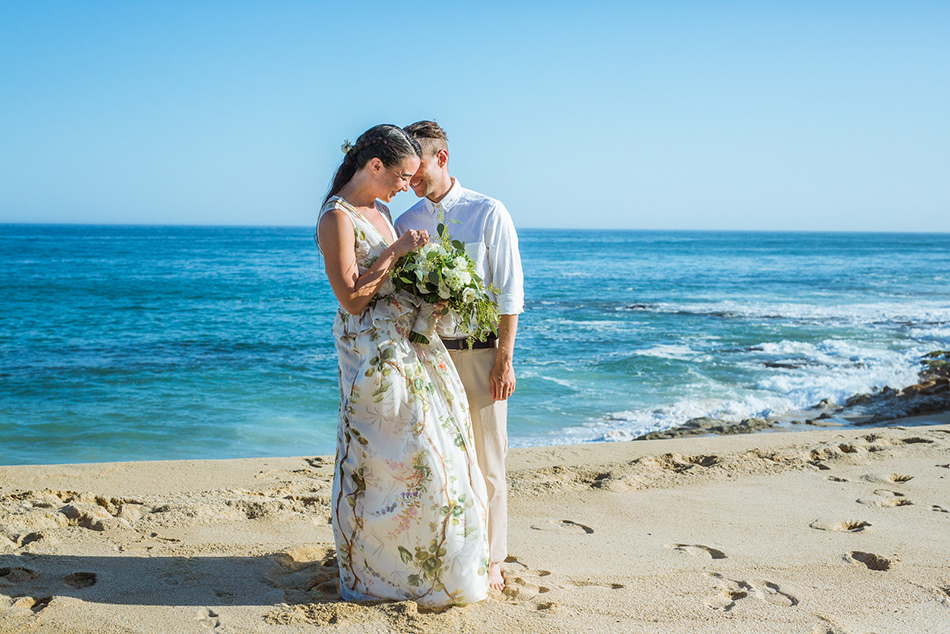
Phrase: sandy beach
pixel 827 531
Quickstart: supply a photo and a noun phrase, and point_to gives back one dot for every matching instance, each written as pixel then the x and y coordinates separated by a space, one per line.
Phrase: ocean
pixel 153 343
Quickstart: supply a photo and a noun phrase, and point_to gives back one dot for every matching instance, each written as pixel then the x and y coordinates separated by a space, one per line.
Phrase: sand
pixel 837 530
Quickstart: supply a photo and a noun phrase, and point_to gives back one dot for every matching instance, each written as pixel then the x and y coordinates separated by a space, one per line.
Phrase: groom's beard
pixel 424 188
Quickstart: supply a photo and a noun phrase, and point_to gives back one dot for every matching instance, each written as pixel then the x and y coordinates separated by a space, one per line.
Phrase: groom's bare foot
pixel 495 579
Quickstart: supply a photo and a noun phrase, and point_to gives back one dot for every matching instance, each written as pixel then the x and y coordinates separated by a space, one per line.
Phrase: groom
pixel 485 227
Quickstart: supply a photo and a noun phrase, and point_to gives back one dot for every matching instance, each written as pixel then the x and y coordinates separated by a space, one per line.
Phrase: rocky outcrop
pixel 705 425
pixel 929 396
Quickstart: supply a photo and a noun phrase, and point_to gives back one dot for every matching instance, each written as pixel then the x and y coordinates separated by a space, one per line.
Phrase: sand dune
pixel 830 531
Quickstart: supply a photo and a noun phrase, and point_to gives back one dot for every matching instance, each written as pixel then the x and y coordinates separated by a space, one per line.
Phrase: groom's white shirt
pixel 485 226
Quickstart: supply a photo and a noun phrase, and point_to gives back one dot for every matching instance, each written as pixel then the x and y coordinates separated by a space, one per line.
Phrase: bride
pixel 408 501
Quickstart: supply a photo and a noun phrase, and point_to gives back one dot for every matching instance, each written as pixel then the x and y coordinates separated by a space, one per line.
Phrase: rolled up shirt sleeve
pixel 501 241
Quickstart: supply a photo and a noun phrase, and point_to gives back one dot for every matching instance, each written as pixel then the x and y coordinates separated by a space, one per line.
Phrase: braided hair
pixel 389 143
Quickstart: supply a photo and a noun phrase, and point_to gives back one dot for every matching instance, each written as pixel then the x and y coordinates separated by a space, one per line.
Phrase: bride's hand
pixel 410 241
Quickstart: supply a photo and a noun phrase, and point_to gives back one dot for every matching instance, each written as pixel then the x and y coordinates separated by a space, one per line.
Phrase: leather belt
pixel 462 344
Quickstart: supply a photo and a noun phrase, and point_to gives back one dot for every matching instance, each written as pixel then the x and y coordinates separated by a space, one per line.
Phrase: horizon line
pixel 536 228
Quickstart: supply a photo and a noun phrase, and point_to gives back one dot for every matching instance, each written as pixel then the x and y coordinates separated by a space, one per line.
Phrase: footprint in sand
pixel 80 580
pixel 34 604
pixel 847 526
pixel 893 502
pixel 209 618
pixel 917 440
pixel 305 570
pixel 590 584
pixel 564 525
pixel 886 499
pixel 511 559
pixel 698 550
pixel 889 478
pixel 526 585
pixel 15 576
pixel 731 591
pixel 869 560
pixel 832 478
pixel 938 509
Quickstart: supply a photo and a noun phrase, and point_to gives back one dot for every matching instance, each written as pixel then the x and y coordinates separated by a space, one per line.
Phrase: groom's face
pixel 424 181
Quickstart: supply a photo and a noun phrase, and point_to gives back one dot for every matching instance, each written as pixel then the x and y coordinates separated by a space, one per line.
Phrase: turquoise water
pixel 129 343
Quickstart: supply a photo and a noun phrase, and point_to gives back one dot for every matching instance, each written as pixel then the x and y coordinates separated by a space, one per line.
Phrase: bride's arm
pixel 354 291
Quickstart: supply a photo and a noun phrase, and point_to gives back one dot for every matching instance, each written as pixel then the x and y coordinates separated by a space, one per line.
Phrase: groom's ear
pixel 443 157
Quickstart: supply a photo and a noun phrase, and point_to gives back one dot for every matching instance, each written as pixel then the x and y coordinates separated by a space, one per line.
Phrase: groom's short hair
pixel 429 135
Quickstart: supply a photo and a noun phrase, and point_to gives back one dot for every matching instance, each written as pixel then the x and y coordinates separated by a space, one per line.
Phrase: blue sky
pixel 665 115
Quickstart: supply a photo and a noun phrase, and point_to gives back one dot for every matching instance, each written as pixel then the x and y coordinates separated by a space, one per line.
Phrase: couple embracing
pixel 419 505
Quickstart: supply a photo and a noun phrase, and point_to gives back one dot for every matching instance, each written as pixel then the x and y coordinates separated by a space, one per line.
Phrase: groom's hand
pixel 502 379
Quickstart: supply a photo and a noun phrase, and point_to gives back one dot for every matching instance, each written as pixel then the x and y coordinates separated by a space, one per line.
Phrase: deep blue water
pixel 126 343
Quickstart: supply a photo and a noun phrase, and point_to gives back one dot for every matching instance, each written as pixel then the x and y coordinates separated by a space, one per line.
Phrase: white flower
pixel 430 247
pixel 466 278
pixel 469 295
pixel 460 263
pixel 444 291
pixel 453 279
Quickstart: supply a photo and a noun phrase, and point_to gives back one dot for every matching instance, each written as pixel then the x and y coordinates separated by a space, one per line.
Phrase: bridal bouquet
pixel 440 272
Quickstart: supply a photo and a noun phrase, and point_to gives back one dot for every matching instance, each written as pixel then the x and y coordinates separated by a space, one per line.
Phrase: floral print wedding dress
pixel 408 505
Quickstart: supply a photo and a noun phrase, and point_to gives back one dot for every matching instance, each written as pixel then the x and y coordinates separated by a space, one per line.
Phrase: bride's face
pixel 392 180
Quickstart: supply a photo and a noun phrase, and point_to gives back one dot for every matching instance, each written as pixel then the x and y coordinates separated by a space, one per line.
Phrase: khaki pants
pixel 490 427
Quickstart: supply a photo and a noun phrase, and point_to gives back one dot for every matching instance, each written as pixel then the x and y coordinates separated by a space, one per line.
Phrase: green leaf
pixel 388 354
pixel 414 580
pixel 458 245
pixel 440 229
pixel 406 557
pixel 435 278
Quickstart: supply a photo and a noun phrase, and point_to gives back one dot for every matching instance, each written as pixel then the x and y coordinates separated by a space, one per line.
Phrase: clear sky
pixel 642 115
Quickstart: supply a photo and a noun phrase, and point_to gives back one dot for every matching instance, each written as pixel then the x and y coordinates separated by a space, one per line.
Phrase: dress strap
pixel 335 202
pixel 359 220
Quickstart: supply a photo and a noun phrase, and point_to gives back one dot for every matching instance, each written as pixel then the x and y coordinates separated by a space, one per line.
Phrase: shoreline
pixel 930 396
pixel 844 529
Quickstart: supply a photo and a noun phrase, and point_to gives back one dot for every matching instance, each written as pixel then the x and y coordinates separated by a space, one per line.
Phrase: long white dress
pixel 409 514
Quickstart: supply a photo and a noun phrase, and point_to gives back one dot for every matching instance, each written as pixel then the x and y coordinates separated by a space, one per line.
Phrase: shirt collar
pixel 448 201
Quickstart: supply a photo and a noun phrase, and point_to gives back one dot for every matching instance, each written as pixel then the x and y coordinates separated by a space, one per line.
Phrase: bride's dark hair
pixel 389 143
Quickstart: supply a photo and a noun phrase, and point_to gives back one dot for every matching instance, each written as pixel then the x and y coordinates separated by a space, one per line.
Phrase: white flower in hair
pixel 346 147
